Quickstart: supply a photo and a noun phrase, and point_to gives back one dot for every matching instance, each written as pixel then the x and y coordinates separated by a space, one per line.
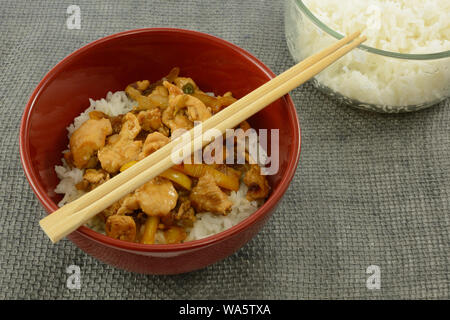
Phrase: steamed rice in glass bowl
pixel 403 66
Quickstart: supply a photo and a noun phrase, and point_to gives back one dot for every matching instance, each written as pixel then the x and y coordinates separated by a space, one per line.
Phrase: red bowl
pixel 109 64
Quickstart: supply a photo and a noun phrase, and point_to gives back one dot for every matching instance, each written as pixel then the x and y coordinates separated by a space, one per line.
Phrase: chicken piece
pixel 164 130
pixel 157 197
pixel 130 127
pixel 128 204
pixel 87 139
pixel 258 187
pixel 176 121
pixel 111 210
pixel 92 178
pixel 175 117
pixel 207 196
pixel 150 120
pixel 173 90
pixel 121 227
pixel 160 95
pixel 118 152
pixel 157 98
pixel 153 142
pixel 186 213
pixel 96 177
pixel 147 197
pixel 171 117
pixel 183 214
pixel 196 109
pixel 121 148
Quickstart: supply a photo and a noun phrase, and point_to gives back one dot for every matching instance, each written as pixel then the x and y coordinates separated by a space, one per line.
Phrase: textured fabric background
pixel 370 188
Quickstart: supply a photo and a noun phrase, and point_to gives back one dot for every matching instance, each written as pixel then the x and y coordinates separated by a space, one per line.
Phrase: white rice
pixel 207 223
pixel 404 26
pixel 114 104
pixel 68 179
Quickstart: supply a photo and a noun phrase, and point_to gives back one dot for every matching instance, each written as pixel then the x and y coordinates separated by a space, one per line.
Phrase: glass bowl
pixel 420 81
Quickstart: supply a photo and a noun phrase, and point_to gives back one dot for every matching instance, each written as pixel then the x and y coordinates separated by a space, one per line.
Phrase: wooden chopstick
pixel 208 124
pixel 71 216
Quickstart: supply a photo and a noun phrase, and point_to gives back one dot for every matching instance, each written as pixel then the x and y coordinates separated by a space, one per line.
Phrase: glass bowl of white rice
pixel 403 66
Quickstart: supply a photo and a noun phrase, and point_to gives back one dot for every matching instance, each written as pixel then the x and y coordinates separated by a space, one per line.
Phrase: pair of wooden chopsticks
pixel 71 216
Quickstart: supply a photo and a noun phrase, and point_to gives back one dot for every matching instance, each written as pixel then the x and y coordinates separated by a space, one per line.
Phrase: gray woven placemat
pixel 370 189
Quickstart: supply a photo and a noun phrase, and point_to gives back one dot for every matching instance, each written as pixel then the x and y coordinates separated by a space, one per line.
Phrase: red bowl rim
pixel 50 206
